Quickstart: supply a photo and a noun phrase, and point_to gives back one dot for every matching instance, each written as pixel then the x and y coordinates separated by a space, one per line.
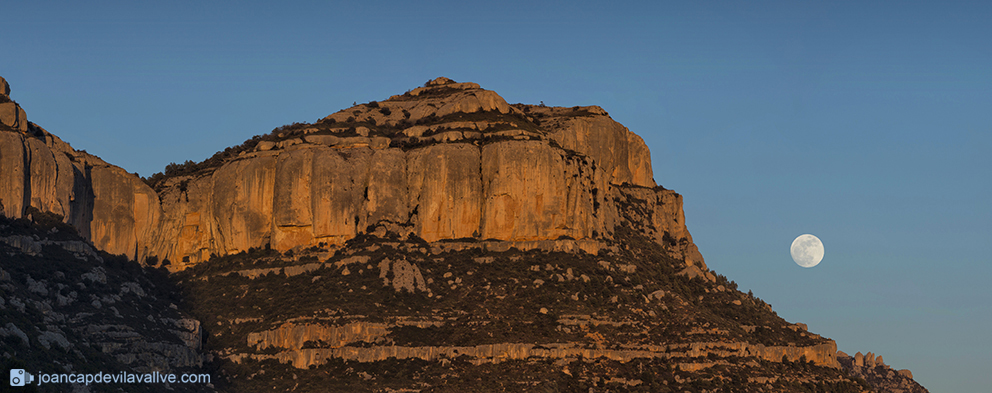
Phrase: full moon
pixel 807 250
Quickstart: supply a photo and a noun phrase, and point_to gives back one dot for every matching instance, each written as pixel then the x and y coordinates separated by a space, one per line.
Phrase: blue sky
pixel 866 125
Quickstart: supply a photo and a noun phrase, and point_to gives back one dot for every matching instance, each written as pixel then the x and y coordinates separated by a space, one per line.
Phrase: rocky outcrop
pixel 11 114
pixel 328 188
pixel 70 306
pixel 403 275
pixel 302 335
pixel 610 144
pixel 389 303
pixel 311 194
pixel 659 215
pixel 111 207
pixel 486 172
pixel 495 353
pixel 878 374
pixel 12 185
pixel 312 344
pixel 107 205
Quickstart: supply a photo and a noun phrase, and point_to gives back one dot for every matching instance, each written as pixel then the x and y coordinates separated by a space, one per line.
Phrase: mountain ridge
pixel 450 231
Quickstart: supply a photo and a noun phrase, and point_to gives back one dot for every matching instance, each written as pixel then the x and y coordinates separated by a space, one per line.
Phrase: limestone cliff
pixel 113 208
pixel 451 160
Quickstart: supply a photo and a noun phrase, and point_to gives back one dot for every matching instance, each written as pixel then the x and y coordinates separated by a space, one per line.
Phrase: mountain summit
pixel 438 240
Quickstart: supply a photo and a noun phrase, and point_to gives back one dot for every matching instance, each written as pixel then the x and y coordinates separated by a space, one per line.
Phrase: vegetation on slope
pixel 81 313
pixel 486 297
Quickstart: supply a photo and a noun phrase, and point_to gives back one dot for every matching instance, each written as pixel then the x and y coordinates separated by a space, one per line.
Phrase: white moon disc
pixel 807 250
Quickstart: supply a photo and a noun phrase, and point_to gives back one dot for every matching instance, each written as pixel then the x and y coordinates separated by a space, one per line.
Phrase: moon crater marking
pixel 807 250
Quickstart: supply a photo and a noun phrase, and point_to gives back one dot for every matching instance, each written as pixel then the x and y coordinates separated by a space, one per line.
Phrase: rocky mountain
pixel 438 240
pixel 66 307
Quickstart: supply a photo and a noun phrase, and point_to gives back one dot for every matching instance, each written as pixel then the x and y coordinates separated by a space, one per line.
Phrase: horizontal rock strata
pixel 822 354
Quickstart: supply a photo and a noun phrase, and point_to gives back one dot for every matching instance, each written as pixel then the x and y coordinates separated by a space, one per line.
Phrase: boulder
pixel 326 140
pixel 439 81
pixel 265 146
pixel 13 116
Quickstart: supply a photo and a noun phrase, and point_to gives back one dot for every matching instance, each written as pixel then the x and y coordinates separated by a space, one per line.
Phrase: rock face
pixel 11 114
pixel 296 345
pixel 518 190
pixel 113 208
pixel 493 177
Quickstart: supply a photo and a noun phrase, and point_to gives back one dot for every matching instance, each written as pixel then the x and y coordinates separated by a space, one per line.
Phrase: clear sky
pixel 869 126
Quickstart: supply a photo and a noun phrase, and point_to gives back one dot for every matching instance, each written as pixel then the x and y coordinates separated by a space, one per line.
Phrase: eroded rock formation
pixel 451 160
pixel 518 185
pixel 113 208
pixel 874 370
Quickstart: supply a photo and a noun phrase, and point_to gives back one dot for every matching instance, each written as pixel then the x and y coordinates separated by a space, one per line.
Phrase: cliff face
pixel 113 208
pixel 449 160
pixel 411 163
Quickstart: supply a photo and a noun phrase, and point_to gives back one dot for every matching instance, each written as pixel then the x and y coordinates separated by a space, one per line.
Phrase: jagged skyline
pixel 863 126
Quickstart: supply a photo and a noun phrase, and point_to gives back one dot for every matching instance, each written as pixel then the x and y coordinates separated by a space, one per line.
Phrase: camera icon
pixel 19 377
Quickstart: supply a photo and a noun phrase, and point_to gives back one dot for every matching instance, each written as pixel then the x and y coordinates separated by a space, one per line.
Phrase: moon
pixel 807 250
